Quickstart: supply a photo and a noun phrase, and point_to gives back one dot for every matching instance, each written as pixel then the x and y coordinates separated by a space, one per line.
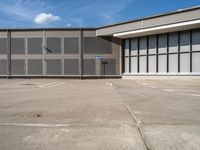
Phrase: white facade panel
pixel 143 64
pixel 173 63
pixel 162 63
pixel 134 65
pixel 152 64
pixel 196 62
pixel 126 63
pixel 185 63
pixel 134 46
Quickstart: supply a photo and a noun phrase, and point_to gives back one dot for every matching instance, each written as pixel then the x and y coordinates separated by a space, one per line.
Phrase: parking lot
pixel 109 114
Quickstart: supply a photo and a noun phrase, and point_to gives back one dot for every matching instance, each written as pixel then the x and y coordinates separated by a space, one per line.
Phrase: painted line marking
pixel 55 84
pixel 153 87
pixel 34 125
pixel 196 95
pixel 109 84
pixel 46 85
pixel 143 83
pixel 168 90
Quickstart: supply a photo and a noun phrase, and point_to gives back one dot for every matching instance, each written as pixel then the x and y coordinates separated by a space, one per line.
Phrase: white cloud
pixel 69 25
pixel 44 18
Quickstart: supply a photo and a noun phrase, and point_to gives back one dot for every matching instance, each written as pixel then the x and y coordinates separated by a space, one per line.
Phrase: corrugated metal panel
pixel 134 64
pixel 196 62
pixel 126 47
pixel 34 45
pixel 173 63
pixel 173 42
pixel 152 64
pixel 97 45
pixel 162 63
pixel 71 45
pixel 3 45
pixel 143 64
pixel 134 46
pixel 53 45
pixel 18 67
pixel 196 40
pixel 162 43
pixel 152 44
pixel 172 18
pixel 71 67
pixel 185 41
pixel 35 67
pixel 143 46
pixel 54 67
pixel 110 67
pixel 126 65
pixel 185 63
pixel 18 46
pixel 3 67
pixel 89 67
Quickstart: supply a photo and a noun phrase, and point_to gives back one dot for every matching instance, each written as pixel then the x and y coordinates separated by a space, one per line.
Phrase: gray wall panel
pixel 173 42
pixel 196 40
pixel 143 46
pixel 71 67
pixel 3 67
pixel 152 44
pixel 18 46
pixel 34 45
pixel 134 46
pixel 53 45
pixel 18 67
pixel 162 43
pixel 196 62
pixel 110 68
pixel 35 67
pixel 126 47
pixel 54 67
pixel 89 67
pixel 71 45
pixel 173 63
pixel 97 45
pixel 3 45
pixel 185 41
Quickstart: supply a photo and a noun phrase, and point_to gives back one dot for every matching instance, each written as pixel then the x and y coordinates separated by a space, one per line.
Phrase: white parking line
pixel 143 83
pixel 46 85
pixel 109 84
pixel 57 84
pixel 153 87
pixel 33 125
pixel 196 95
pixel 168 90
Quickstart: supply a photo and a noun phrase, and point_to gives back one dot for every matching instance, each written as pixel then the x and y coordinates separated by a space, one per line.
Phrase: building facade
pixel 167 44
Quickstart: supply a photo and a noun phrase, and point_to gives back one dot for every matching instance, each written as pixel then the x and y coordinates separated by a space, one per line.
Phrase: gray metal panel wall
pixel 196 40
pixel 18 46
pixel 89 67
pixel 97 45
pixel 110 67
pixel 71 45
pixel 53 45
pixel 34 45
pixel 18 67
pixel 35 67
pixel 71 67
pixel 3 67
pixel 54 67
pixel 2 45
pixel 173 42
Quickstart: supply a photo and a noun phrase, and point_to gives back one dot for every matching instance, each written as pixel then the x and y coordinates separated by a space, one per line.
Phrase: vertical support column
pixel 122 56
pixel 44 52
pixel 129 55
pixel 157 61
pixel 179 56
pixel 81 53
pixel 26 54
pixel 147 54
pixel 8 48
pixel 167 52
pixel 191 51
pixel 138 55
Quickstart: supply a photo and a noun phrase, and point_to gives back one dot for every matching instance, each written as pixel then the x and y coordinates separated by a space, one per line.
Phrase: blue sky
pixel 82 13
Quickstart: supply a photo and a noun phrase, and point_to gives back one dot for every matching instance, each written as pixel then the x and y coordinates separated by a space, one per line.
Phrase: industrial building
pixel 166 44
